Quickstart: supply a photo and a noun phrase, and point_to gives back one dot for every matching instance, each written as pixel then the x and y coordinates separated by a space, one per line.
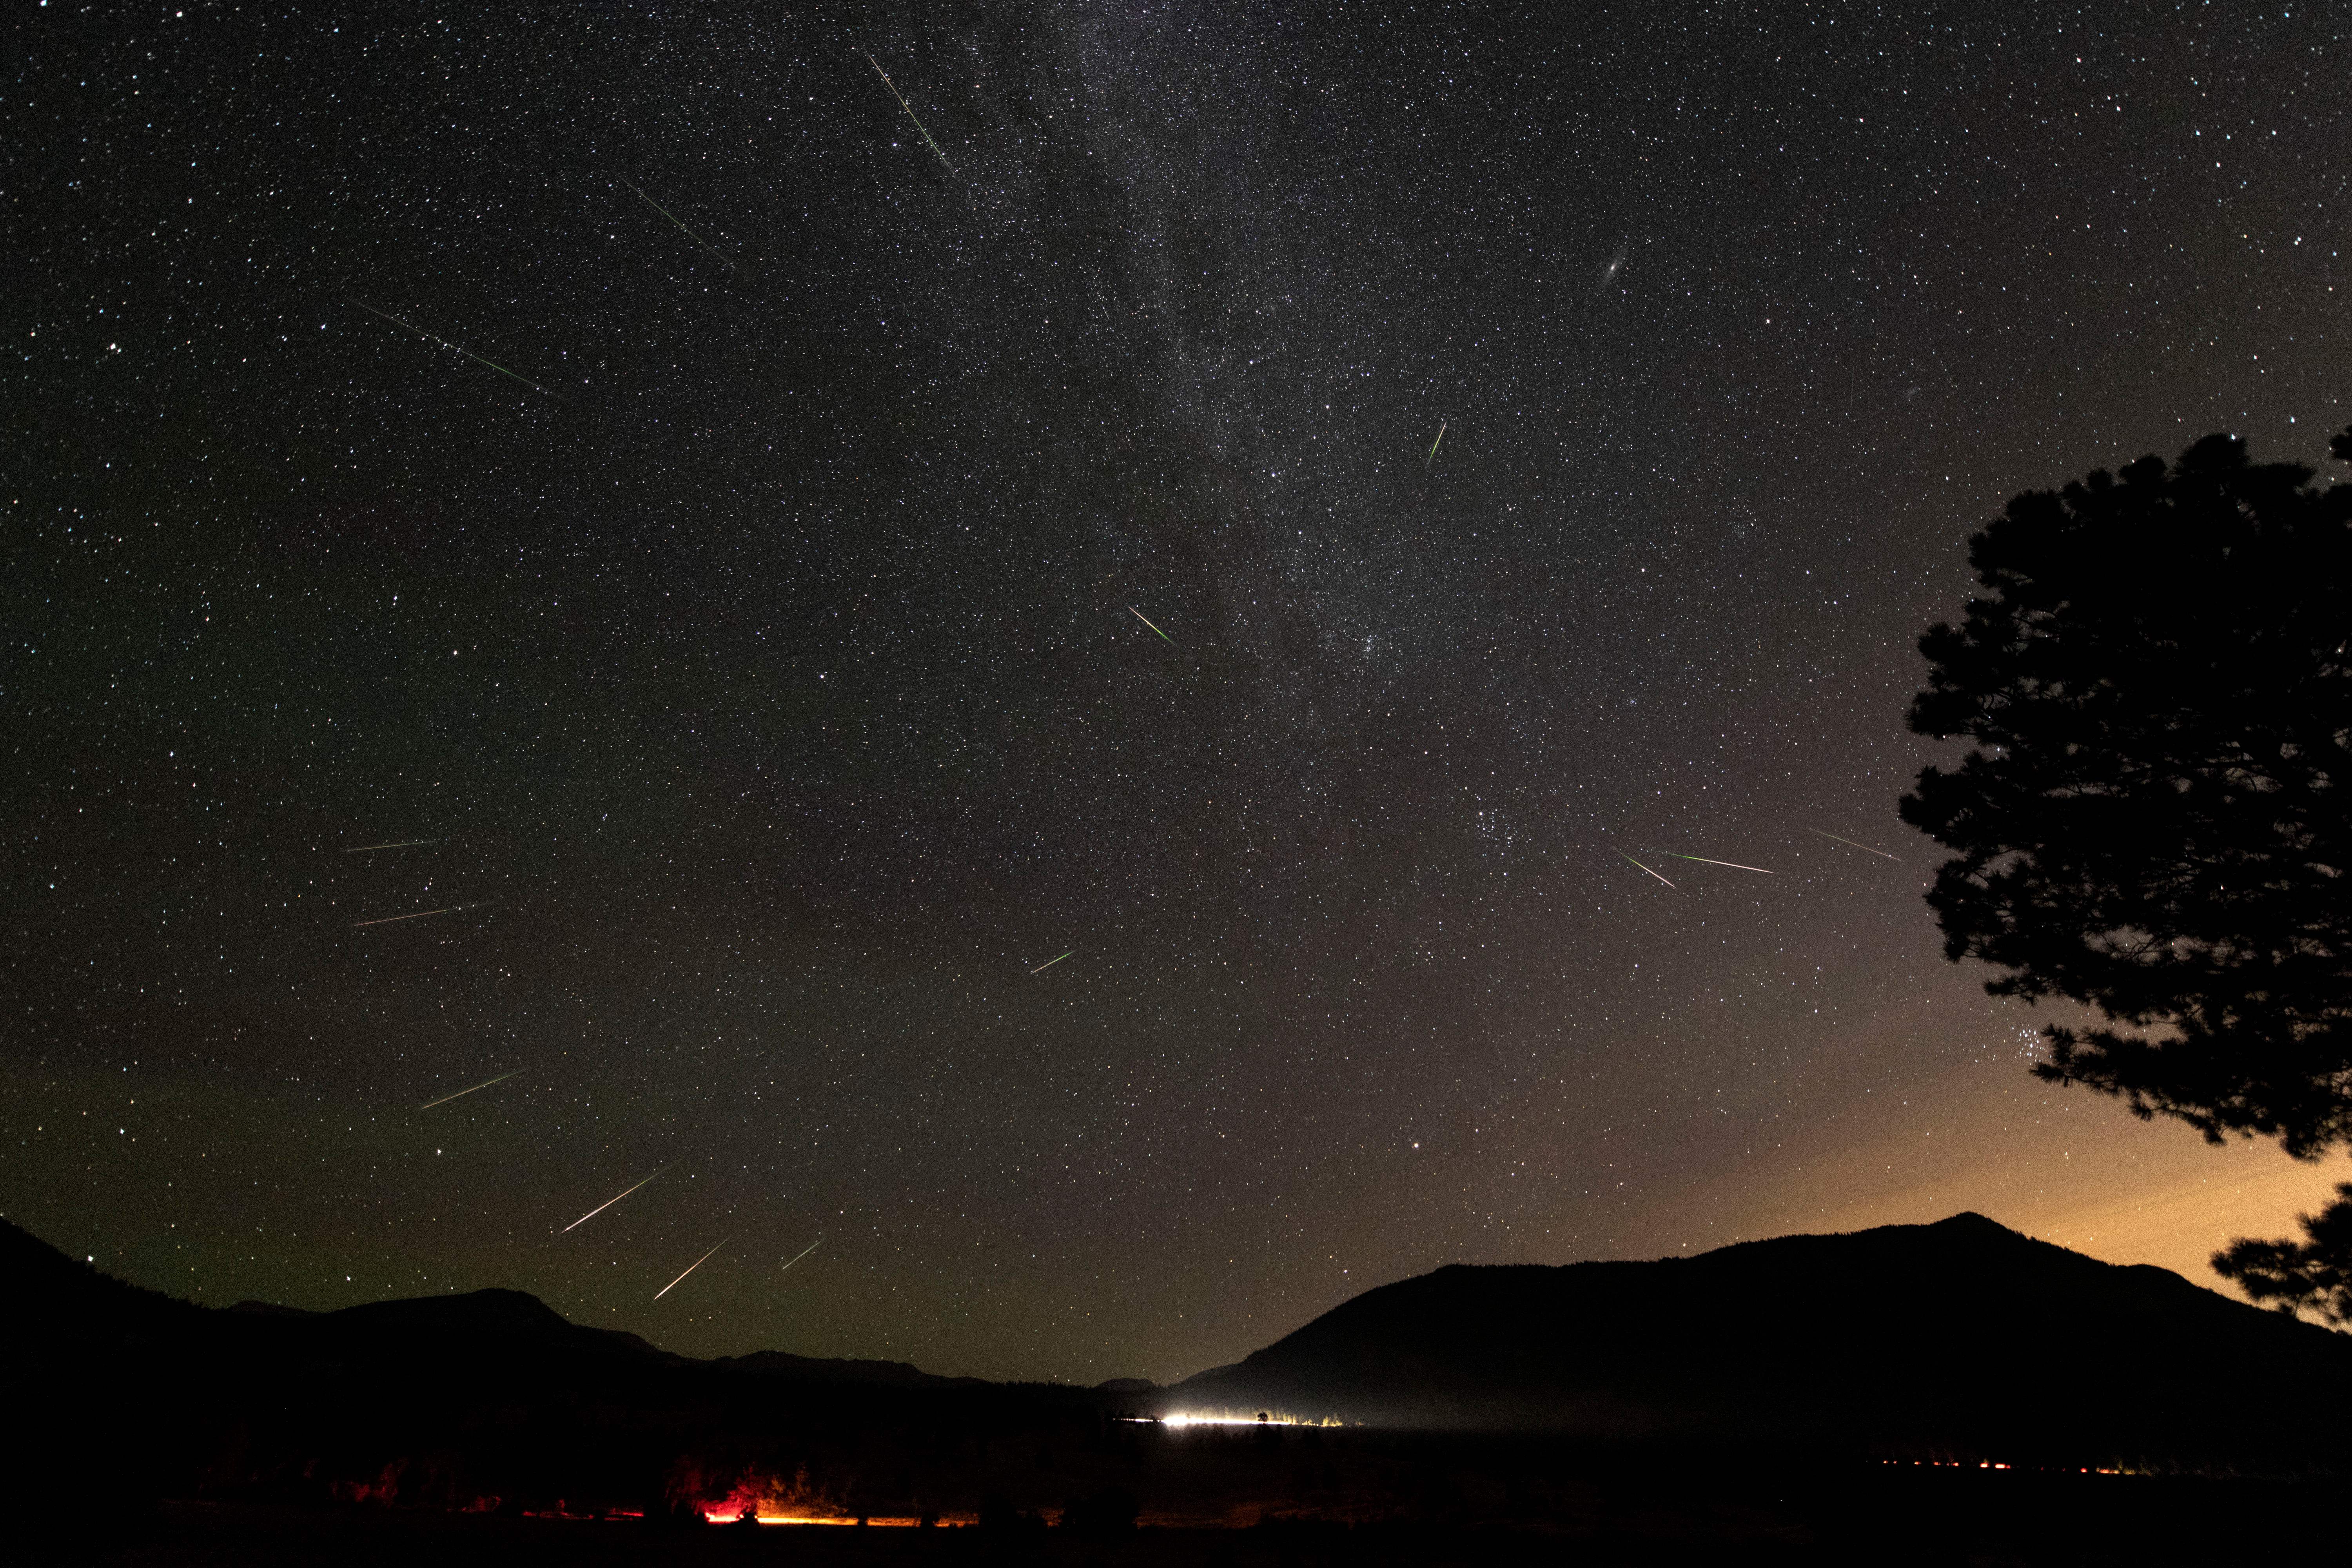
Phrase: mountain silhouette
pixel 490 1398
pixel 1960 1335
pixel 1959 1338
pixel 78 1309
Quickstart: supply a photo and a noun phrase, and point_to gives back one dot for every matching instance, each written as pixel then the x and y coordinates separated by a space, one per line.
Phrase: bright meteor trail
pixel 803 1252
pixel 910 112
pixel 1433 446
pixel 464 1092
pixel 1631 861
pixel 1050 962
pixel 608 1203
pixel 1733 864
pixel 689 234
pixel 1139 615
pixel 691 1267
pixel 446 343
pixel 1864 847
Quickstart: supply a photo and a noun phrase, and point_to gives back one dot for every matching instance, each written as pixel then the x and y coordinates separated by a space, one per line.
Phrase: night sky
pixel 612 445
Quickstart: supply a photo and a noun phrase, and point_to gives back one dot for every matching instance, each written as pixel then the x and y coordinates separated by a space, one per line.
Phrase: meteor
pixel 1733 864
pixel 1139 615
pixel 446 343
pixel 1864 847
pixel 403 844
pixel 390 919
pixel 910 112
pixel 683 229
pixel 803 1252
pixel 1050 962
pixel 690 1268
pixel 420 914
pixel 464 1092
pixel 1433 446
pixel 600 1208
pixel 1629 860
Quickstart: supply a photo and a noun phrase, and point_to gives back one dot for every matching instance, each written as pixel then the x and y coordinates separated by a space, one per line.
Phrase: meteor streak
pixel 910 110
pixel 803 1252
pixel 464 1092
pixel 690 1268
pixel 1139 615
pixel 1433 446
pixel 403 844
pixel 1864 847
pixel 1629 860
pixel 608 1203
pixel 1733 864
pixel 446 343
pixel 1050 962
pixel 389 919
pixel 420 914
pixel 683 229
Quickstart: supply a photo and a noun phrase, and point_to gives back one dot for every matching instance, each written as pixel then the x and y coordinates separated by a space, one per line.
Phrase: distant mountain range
pixel 1962 1334
pixel 1959 1339
pixel 489 1399
pixel 54 1299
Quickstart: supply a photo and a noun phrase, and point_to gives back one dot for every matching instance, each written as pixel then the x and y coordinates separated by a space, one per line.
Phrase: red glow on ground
pixel 721 1514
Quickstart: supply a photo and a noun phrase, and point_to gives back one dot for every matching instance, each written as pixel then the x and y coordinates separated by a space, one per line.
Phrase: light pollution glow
pixel 1188 1418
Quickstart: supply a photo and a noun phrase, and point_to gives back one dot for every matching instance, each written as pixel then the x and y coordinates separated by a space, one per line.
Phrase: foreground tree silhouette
pixel 2156 819
pixel 2313 1275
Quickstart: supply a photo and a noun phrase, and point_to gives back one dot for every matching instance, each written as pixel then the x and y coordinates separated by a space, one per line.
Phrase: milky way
pixel 787 582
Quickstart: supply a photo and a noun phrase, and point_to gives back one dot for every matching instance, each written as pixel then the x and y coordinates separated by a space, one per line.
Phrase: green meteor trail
pixel 803 1252
pixel 1433 446
pixel 1864 847
pixel 1733 864
pixel 910 112
pixel 1050 962
pixel 1139 615
pixel 463 1092
pixel 446 343
pixel 683 229
pixel 1631 861
pixel 403 844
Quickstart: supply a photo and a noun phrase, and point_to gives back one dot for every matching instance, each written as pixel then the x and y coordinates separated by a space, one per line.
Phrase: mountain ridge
pixel 1959 1336
pixel 73 1301
pixel 1956 1331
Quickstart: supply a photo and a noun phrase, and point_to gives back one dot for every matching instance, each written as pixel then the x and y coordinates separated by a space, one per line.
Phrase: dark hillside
pixel 51 1297
pixel 1961 1335
pixel 1575 1397
pixel 489 1400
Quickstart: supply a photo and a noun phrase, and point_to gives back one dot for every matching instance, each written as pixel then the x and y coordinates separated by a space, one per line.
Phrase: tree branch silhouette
pixel 2156 819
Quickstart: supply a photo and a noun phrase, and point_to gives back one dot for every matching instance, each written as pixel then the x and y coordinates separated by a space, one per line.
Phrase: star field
pixel 608 443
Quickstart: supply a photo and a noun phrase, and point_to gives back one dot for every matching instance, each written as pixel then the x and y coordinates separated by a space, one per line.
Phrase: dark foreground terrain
pixel 1911 1517
pixel 1961 1336
pixel 1893 1396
